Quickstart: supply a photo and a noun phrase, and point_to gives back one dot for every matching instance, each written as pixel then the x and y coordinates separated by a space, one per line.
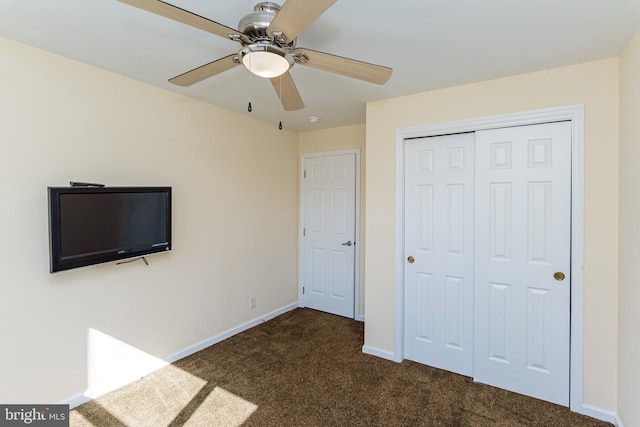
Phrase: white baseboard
pixel 601 414
pixel 81 398
pixel 227 334
pixel 384 354
pixel 74 401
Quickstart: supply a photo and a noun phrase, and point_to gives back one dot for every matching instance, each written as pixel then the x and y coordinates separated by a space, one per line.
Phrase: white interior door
pixel 523 232
pixel 329 218
pixel 439 181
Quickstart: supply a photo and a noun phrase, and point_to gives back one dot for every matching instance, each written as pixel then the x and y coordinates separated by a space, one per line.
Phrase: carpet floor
pixel 306 368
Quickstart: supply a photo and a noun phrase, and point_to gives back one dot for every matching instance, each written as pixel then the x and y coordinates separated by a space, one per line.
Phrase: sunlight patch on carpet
pixel 155 400
pixel 222 408
pixel 157 393
pixel 76 419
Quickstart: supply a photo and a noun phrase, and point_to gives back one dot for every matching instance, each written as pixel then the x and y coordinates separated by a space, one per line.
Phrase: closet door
pixel 522 259
pixel 439 174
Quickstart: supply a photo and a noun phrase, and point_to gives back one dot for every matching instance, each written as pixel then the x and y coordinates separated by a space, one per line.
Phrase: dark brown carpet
pixel 306 368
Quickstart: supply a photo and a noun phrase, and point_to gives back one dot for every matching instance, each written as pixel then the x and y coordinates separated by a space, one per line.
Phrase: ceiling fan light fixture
pixel 265 60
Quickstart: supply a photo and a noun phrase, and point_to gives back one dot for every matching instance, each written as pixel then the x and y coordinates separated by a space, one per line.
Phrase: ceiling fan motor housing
pixel 255 24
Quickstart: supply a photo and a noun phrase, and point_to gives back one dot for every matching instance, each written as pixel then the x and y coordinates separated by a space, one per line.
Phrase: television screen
pixel 91 225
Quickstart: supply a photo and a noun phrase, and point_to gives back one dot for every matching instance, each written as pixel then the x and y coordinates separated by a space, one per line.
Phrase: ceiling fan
pixel 268 46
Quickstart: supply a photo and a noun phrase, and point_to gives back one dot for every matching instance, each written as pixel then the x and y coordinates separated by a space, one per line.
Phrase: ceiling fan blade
pixel 345 66
pixel 296 15
pixel 204 72
pixel 177 14
pixel 287 92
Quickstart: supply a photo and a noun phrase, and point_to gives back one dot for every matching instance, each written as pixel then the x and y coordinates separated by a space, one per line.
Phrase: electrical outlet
pixel 252 302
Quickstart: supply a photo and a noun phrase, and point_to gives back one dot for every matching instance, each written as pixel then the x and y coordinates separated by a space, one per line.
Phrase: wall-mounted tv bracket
pixel 132 260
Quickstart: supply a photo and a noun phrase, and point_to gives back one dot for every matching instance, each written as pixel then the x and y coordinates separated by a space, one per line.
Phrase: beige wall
pixel 336 139
pixel 595 85
pixel 629 291
pixel 234 185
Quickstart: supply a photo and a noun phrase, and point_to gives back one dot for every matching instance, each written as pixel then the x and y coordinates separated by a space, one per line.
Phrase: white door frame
pixel 573 113
pixel 356 300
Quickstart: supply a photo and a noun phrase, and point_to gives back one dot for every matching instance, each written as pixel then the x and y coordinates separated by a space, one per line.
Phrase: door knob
pixel 411 259
pixel 347 243
pixel 559 276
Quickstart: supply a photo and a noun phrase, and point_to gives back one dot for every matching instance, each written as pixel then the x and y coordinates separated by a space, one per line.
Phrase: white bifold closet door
pixel 487 227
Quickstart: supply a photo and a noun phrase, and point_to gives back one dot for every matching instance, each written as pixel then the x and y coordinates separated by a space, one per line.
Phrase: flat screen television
pixel 93 225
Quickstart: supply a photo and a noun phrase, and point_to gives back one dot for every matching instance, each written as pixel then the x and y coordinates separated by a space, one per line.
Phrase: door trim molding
pixel 303 157
pixel 573 113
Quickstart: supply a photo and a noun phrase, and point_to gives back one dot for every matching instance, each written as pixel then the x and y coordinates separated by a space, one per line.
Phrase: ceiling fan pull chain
pixel 280 96
pixel 249 107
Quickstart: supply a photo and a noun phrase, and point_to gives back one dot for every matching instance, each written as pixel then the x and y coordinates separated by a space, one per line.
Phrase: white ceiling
pixel 430 44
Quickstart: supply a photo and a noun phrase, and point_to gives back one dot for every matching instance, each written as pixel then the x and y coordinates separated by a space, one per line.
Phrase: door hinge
pixel 303 290
pixel 304 232
pixel 305 174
